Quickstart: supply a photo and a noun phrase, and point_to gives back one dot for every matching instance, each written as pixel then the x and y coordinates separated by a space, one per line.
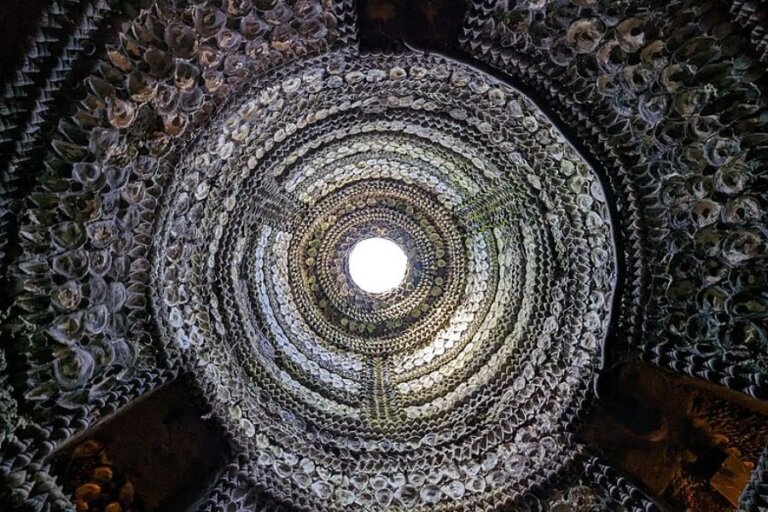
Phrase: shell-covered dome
pixel 575 184
pixel 338 392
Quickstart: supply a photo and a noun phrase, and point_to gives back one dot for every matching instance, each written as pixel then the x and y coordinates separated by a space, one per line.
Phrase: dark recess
pixel 18 21
pixel 161 445
pixel 385 24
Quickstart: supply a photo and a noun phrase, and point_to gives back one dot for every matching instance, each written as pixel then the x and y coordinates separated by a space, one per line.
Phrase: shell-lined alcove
pixel 569 290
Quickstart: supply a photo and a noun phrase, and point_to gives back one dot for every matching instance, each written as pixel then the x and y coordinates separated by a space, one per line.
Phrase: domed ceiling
pixel 572 184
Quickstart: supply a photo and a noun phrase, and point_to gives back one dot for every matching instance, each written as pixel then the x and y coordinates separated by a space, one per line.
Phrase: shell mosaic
pixel 183 183
pixel 347 398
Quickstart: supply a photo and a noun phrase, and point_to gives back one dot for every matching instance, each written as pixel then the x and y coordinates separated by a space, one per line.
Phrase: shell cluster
pixel 675 89
pixel 96 484
pixel 183 184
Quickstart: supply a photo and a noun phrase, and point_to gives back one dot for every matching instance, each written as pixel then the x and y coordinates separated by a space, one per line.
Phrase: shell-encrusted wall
pixel 183 183
pixel 670 97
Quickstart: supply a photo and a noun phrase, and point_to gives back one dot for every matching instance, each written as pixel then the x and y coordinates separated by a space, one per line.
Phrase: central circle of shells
pixel 457 389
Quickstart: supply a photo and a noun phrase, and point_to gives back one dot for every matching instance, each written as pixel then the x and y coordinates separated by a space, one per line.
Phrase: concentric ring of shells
pixel 349 398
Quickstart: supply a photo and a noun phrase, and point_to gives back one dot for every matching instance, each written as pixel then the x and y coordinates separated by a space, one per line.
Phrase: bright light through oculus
pixel 377 265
